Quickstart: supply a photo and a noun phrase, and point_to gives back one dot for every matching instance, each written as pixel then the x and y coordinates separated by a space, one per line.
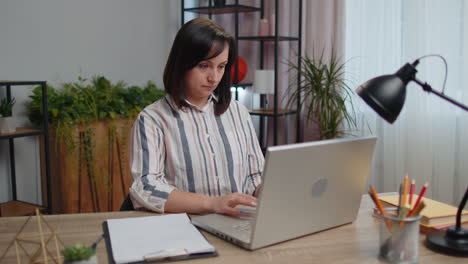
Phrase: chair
pixel 127 204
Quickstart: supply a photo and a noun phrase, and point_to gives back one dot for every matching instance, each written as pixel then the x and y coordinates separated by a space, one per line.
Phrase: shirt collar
pixel 212 98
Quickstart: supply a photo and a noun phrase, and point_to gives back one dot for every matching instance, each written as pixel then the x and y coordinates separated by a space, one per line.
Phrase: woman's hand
pixel 257 190
pixel 225 204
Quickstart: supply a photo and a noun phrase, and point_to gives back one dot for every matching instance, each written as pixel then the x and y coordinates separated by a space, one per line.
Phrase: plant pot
pixel 7 124
pixel 81 185
pixel 92 260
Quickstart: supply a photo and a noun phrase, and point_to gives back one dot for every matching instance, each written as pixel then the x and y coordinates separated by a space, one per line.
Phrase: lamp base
pixel 452 242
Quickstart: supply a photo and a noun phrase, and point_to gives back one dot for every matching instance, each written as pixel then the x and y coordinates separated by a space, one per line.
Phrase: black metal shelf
pixel 28 132
pixel 243 84
pixel 227 9
pixel 13 83
pixel 271 112
pixel 268 38
pixel 235 10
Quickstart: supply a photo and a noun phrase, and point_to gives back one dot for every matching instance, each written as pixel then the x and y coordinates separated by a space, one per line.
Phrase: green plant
pixel 323 93
pixel 78 252
pixel 85 101
pixel 6 107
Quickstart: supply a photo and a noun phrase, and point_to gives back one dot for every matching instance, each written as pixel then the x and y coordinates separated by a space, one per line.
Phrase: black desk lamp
pixel 386 95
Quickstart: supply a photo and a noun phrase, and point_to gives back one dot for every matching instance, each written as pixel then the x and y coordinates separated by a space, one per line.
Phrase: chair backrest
pixel 127 204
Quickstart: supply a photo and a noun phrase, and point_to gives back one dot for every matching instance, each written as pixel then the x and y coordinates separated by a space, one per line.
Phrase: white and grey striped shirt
pixel 192 150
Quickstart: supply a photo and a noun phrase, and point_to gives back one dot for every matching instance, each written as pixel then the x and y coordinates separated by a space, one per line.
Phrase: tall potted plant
pixel 7 121
pixel 323 95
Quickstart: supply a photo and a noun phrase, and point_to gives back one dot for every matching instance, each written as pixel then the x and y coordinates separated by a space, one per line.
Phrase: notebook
pixel 307 188
pixel 154 238
pixel 434 214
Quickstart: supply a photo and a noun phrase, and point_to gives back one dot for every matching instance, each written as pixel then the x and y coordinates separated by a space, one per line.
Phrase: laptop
pixel 307 188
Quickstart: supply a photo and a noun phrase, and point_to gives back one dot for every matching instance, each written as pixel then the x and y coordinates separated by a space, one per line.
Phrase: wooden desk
pixel 352 243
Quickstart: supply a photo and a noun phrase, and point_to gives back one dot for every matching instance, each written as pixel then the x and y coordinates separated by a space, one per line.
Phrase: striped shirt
pixel 192 149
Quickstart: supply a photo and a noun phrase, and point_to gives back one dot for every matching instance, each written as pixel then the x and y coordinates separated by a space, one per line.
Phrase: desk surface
pixel 352 243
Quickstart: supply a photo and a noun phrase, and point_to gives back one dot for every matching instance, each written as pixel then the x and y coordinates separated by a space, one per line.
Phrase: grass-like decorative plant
pixel 6 107
pixel 77 252
pixel 323 93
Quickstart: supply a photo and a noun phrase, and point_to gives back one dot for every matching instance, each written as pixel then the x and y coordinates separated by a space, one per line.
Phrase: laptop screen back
pixel 310 187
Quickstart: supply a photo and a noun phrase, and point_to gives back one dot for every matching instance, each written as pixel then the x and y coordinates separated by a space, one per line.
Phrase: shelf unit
pixel 236 8
pixel 15 206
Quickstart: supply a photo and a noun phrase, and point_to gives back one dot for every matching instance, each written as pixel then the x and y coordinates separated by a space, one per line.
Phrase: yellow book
pixel 435 213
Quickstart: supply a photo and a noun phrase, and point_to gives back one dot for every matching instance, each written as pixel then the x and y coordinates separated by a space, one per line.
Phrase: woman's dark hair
pixel 198 40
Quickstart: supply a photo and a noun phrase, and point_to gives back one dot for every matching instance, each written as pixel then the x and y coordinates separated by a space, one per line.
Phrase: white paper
pixel 134 238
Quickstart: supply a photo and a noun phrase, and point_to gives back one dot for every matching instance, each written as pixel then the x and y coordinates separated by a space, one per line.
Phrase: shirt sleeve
pixel 147 153
pixel 256 159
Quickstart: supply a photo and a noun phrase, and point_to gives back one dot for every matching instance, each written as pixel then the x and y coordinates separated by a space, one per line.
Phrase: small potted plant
pixel 7 121
pixel 79 254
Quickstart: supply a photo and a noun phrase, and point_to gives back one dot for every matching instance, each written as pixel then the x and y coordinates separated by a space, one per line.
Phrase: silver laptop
pixel 307 187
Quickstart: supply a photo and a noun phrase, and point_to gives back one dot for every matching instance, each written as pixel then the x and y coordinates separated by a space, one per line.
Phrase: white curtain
pixel 429 140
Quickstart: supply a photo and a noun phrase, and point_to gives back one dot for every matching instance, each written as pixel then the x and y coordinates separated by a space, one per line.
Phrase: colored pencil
pixel 380 207
pixel 411 191
pixel 421 194
pixel 400 190
pixel 372 197
pixel 405 191
pixel 417 210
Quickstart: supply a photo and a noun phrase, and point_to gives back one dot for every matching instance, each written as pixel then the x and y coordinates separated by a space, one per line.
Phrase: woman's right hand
pixel 226 204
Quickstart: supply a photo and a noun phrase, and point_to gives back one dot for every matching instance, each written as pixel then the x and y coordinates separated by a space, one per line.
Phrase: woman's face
pixel 202 80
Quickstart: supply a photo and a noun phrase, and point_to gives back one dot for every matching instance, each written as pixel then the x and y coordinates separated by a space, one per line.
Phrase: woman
pixel 195 150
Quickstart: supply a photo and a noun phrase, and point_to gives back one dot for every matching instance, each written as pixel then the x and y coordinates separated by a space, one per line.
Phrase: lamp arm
pixel 426 87
pixel 460 209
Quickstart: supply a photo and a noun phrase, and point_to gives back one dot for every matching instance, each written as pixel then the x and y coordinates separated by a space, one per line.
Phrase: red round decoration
pixel 241 72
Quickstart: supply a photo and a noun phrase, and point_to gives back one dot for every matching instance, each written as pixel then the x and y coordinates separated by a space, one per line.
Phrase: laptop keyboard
pixel 243 226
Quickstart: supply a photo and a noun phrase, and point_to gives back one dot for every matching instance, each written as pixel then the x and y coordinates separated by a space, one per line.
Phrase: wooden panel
pixel 101 185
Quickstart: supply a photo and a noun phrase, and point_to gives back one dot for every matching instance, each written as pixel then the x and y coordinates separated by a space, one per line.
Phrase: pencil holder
pixel 398 237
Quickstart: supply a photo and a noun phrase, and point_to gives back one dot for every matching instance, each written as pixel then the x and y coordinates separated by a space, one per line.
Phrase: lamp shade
pixel 264 82
pixel 385 94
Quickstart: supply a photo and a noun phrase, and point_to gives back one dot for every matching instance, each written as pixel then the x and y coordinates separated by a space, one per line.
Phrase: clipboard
pixel 176 254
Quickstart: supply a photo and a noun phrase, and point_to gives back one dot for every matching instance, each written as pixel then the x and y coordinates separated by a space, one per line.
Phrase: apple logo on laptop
pixel 319 187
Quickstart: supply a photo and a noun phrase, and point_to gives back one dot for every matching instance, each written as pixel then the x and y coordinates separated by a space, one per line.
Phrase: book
pixel 426 229
pixel 154 239
pixel 423 229
pixel 434 214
